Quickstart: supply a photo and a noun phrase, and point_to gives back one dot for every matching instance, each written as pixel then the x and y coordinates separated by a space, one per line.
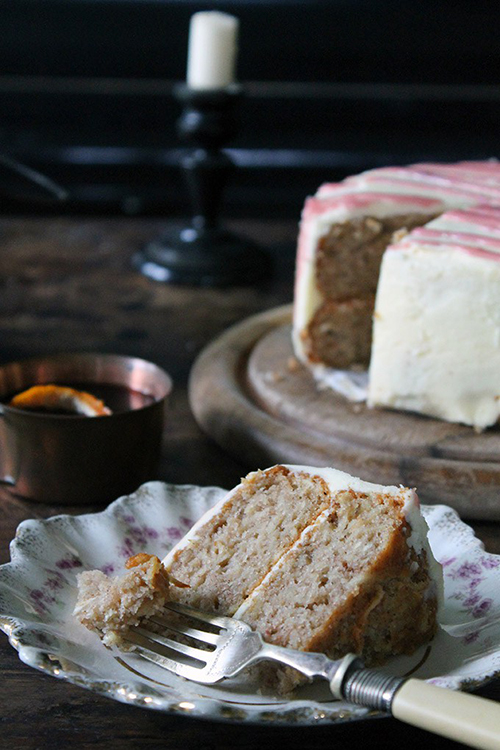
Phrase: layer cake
pixel 345 229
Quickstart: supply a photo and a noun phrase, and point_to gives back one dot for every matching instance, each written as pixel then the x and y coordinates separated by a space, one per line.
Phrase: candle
pixel 212 50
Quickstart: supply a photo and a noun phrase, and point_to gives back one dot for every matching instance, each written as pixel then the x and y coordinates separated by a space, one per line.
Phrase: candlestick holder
pixel 203 252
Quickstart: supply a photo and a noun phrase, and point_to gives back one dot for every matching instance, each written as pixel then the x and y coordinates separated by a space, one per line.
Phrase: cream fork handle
pixel 465 718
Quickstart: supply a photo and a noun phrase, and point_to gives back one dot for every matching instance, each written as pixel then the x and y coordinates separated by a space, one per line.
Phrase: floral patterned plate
pixel 37 595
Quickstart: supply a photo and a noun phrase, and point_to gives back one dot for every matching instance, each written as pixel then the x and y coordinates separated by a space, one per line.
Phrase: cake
pixel 316 560
pixel 436 334
pixel 344 231
pixel 110 606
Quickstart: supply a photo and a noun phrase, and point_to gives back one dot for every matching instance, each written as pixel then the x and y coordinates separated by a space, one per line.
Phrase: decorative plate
pixel 38 592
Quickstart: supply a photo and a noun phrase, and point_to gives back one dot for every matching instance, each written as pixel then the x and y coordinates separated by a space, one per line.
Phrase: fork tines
pixel 196 614
pixel 187 659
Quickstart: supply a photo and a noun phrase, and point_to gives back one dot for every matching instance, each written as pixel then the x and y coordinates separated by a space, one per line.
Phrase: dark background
pixel 332 88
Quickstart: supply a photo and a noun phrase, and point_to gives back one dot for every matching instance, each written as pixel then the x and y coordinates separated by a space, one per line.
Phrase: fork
pixel 226 646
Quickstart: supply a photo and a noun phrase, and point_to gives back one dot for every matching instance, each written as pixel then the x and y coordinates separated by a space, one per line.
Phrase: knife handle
pixel 459 716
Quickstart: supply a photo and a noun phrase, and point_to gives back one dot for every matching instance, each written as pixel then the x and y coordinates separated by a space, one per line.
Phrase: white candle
pixel 213 39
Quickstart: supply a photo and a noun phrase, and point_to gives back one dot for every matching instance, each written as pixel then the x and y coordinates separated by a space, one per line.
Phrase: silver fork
pixel 226 646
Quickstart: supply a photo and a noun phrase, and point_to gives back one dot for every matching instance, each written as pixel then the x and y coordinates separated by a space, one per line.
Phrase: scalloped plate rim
pixel 307 712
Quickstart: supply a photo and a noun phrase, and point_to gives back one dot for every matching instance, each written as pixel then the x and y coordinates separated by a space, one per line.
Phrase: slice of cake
pixel 436 345
pixel 317 560
pixel 110 606
pixel 344 231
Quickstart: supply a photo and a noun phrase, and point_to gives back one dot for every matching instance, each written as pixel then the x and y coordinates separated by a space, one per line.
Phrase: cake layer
pixel 349 253
pixel 346 226
pixel 340 332
pixel 436 335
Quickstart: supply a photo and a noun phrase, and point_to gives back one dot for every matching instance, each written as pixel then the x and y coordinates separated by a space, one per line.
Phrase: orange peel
pixel 60 398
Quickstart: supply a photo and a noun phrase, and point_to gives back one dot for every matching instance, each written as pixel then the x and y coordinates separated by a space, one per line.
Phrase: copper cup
pixel 66 459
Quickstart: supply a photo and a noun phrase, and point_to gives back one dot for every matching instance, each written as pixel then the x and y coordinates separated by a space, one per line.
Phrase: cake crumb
pixel 111 606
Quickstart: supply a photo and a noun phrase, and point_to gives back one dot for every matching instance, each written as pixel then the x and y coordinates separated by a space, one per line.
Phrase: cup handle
pixel 4 477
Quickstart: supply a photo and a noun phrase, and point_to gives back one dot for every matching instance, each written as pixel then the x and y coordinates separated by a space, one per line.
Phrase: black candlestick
pixel 204 253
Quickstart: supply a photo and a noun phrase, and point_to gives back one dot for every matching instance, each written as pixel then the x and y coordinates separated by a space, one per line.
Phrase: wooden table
pixel 67 285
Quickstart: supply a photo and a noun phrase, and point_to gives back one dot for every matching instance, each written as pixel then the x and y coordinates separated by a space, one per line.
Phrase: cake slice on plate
pixel 316 560
pixel 312 558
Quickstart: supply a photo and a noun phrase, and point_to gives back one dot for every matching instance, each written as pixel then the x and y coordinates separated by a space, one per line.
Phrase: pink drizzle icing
pixel 317 206
pixel 480 181
pixel 477 183
pixel 470 239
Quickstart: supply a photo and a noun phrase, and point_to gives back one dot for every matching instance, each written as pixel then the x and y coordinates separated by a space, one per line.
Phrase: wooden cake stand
pixel 248 392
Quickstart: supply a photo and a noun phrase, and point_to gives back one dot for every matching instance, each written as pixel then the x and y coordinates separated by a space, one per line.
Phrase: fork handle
pixel 462 717
pixel 459 716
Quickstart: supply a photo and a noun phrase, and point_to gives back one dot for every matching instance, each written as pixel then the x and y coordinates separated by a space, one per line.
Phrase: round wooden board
pixel 248 392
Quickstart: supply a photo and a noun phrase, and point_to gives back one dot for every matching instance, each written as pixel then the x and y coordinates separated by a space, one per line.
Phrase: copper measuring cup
pixel 66 459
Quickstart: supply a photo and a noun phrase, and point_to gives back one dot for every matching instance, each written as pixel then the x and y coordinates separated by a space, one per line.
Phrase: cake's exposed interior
pixel 356 584
pixel 346 272
pixel 349 254
pixel 258 523
pixel 339 333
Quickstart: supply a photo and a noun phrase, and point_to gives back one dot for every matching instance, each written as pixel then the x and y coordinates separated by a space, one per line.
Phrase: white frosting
pixel 437 315
pixel 351 384
pixel 468 227
pixel 339 480
pixel 453 198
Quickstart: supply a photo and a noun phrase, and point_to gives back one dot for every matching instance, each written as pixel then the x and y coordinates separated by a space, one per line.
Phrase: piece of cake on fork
pixel 109 606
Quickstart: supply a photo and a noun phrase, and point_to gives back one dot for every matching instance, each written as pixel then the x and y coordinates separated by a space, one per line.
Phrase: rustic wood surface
pixel 250 393
pixel 67 285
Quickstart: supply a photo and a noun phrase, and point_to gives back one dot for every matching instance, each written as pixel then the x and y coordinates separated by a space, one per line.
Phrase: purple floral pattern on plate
pixel 38 590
